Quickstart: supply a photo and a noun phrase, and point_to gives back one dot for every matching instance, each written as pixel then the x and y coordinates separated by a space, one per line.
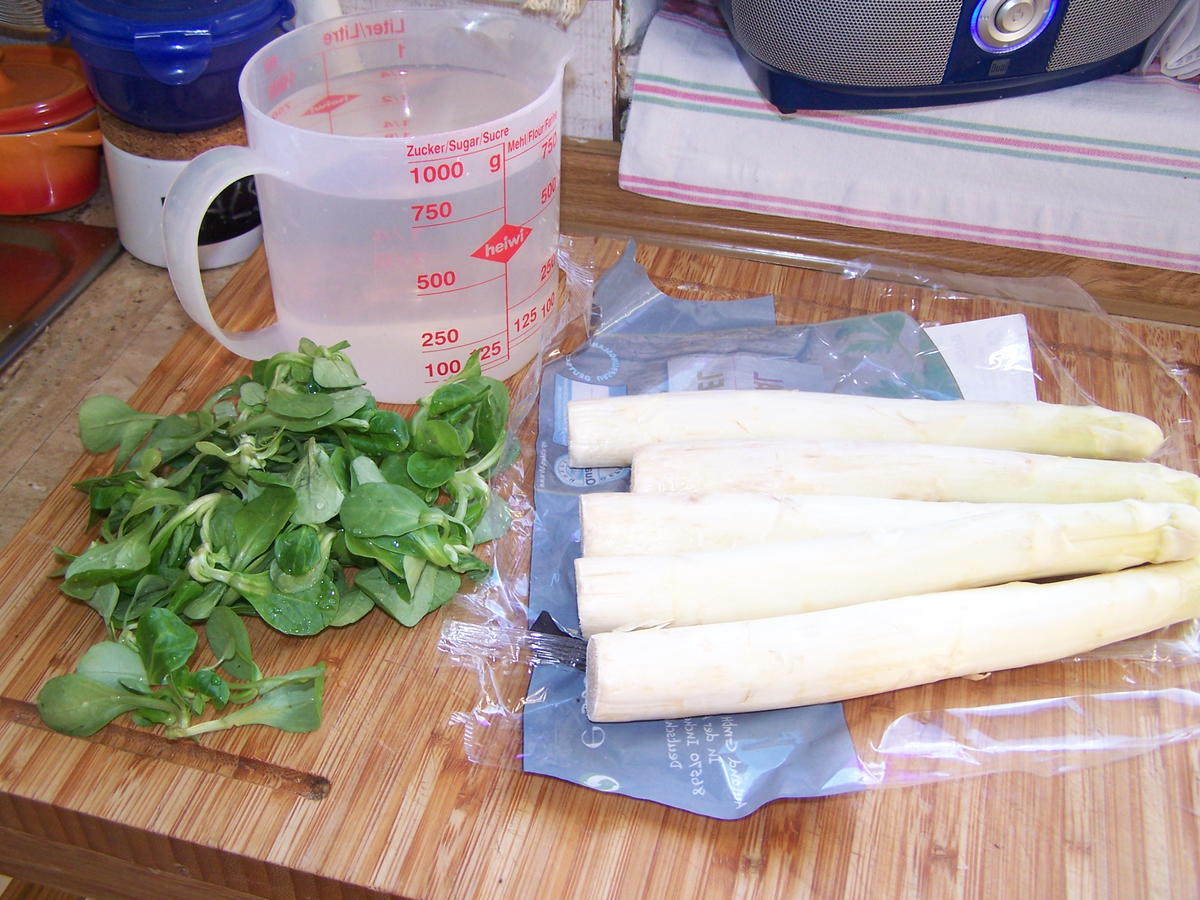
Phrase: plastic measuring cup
pixel 407 166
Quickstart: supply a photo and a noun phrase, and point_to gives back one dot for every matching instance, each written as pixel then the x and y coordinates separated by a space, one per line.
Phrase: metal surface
pixel 22 19
pixel 1095 29
pixel 1003 24
pixel 44 265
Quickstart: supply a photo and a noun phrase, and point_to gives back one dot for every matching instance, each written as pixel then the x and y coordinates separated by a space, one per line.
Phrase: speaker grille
pixel 877 43
pixel 1093 30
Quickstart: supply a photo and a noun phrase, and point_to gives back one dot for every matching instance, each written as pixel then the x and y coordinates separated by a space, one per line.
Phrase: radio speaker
pixel 885 54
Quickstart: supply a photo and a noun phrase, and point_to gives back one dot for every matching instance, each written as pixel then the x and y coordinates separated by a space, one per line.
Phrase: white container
pixel 407 166
pixel 230 230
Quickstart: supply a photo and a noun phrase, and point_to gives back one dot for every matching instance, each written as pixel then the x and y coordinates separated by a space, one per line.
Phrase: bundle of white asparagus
pixel 803 548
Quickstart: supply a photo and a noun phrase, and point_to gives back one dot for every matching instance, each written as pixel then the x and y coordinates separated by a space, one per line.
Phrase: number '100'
pixel 443 368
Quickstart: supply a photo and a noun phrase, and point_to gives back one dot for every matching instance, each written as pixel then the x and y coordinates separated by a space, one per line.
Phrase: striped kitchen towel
pixel 1175 48
pixel 1109 169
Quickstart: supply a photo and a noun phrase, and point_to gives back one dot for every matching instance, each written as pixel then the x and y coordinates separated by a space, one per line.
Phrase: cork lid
pixel 40 87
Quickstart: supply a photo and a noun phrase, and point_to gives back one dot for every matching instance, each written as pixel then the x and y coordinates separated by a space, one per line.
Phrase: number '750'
pixel 432 212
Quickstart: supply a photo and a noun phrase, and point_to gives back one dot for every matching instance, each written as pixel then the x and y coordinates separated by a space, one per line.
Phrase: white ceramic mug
pixel 231 230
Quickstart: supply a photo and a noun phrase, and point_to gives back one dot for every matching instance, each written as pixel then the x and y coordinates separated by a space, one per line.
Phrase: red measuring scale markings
pixel 458 244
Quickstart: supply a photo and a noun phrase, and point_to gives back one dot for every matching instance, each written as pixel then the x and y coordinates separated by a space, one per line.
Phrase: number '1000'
pixel 434 173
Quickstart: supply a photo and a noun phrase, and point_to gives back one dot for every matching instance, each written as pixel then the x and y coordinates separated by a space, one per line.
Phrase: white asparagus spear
pixel 854 651
pixel 619 523
pixel 903 471
pixel 605 431
pixel 764 580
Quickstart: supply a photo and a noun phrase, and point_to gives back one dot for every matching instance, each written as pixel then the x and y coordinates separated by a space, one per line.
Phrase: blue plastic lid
pixel 172 39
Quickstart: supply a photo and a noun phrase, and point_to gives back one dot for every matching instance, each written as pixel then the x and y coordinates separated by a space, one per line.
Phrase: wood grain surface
pixel 383 802
pixel 592 206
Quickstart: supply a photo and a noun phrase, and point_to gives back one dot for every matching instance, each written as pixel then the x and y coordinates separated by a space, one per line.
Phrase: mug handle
pixel 189 198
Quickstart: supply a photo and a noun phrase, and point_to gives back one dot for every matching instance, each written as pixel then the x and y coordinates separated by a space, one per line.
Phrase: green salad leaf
pixel 290 496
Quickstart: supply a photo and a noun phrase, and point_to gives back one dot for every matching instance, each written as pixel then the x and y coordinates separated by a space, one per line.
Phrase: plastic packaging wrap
pixel 618 332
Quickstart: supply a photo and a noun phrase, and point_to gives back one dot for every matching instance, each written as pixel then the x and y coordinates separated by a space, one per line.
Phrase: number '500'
pixel 433 280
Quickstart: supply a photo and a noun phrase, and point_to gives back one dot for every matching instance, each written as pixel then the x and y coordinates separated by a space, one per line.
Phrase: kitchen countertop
pixel 106 341
pixel 109 339
pixel 1128 829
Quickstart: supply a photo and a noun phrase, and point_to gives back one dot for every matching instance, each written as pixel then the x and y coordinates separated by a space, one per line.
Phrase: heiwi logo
pixel 501 246
pixel 329 103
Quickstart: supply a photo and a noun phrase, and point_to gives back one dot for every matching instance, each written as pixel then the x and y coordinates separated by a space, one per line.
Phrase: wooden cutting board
pixel 383 801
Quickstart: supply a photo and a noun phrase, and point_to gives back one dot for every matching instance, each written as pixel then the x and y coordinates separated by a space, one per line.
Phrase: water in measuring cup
pixel 417 298
pixel 403 102
pixel 395 266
